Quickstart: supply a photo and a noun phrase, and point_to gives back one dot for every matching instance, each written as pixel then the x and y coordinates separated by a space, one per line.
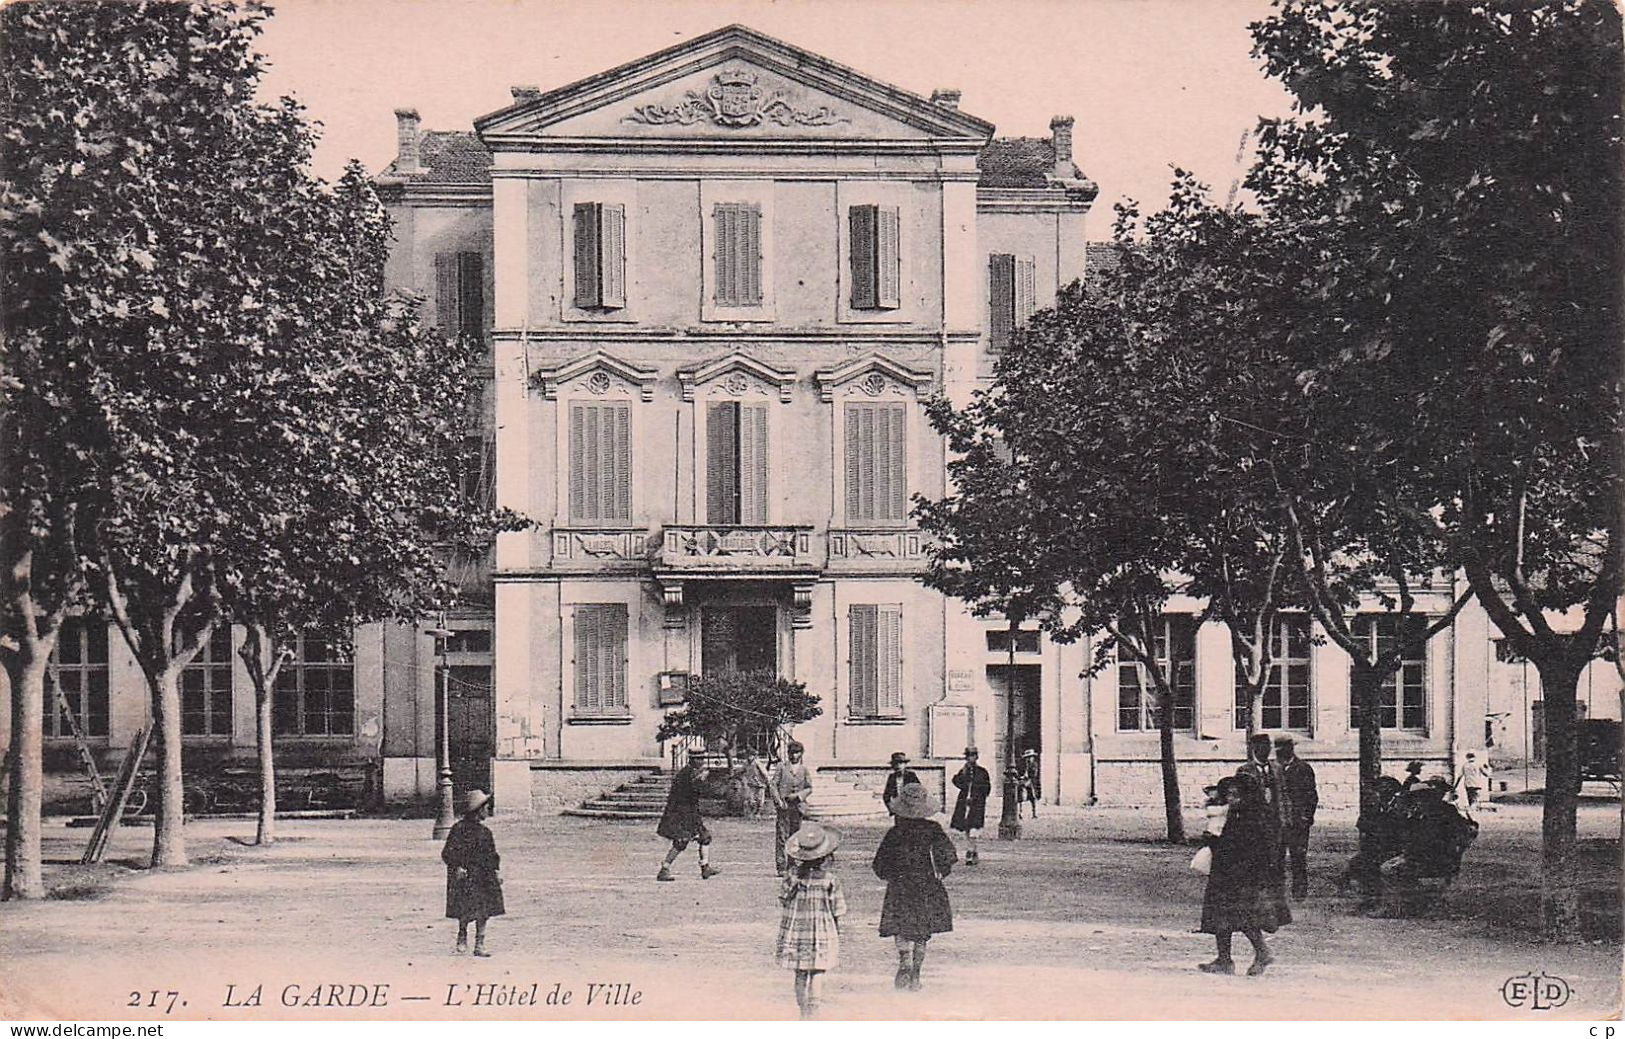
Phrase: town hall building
pixel 719 285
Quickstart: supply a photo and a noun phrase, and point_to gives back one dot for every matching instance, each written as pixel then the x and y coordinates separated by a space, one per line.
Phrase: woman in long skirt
pixel 1239 893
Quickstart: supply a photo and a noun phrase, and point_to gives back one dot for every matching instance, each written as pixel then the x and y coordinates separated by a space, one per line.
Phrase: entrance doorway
pixel 1024 683
pixel 739 638
pixel 471 727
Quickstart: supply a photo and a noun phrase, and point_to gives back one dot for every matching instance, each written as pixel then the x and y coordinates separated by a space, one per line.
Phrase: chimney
pixel 1060 136
pixel 408 156
pixel 525 92
pixel 947 97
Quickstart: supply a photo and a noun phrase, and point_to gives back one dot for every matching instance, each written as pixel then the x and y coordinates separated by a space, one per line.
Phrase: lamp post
pixel 445 811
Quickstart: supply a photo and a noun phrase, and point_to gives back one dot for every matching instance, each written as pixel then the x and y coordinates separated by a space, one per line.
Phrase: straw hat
pixel 812 842
pixel 913 802
pixel 1029 753
pixel 474 800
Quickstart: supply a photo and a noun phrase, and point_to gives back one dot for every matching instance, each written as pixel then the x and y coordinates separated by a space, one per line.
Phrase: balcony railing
pixel 715 547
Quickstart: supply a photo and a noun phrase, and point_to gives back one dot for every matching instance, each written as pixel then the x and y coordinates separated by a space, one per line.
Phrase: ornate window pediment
pixel 736 375
pixel 599 374
pixel 874 376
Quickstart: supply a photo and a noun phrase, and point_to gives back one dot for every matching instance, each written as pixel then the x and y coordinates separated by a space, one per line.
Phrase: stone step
pixel 589 812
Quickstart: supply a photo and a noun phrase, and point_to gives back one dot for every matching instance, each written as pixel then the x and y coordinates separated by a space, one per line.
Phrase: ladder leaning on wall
pixel 87 760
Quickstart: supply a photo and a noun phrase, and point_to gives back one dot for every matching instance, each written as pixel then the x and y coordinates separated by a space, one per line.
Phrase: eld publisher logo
pixel 1535 991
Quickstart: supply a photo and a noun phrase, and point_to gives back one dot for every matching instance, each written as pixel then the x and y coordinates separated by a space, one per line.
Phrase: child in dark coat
pixel 913 858
pixel 473 877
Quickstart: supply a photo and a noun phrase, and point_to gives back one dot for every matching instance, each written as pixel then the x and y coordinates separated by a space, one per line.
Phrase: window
pixel 600 660
pixel 79 669
pixel 600 241
pixel 1174 644
pixel 873 251
pixel 476 476
pixel 469 640
pixel 315 692
pixel 600 463
pixel 1284 702
pixel 1403 702
pixel 460 293
pixel 736 463
pixel 876 463
pixel 1011 296
pixel 998 641
pixel 877 661
pixel 738 255
pixel 206 688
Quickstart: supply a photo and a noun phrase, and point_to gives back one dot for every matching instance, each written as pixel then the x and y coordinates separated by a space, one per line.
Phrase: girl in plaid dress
pixel 813 904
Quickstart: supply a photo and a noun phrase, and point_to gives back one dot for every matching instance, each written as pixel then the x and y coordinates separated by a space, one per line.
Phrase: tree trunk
pixel 24 878
pixel 265 832
pixel 1170 774
pixel 1365 687
pixel 257 649
pixel 1559 892
pixel 168 838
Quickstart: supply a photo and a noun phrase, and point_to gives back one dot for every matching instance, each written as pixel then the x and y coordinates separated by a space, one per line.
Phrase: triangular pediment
pixel 599 374
pixel 737 375
pixel 732 84
pixel 874 376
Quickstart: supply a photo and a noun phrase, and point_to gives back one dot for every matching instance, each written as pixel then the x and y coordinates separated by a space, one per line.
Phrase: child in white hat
pixel 813 904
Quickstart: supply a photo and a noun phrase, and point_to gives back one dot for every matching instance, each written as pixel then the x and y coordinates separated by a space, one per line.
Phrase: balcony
pixel 737 550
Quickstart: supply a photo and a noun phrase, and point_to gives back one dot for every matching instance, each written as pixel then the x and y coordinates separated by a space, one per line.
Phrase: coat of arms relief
pixel 736 98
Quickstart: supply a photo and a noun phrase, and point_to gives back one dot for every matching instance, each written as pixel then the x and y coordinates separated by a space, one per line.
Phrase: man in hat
pixel 681 822
pixel 1413 776
pixel 1259 766
pixel 1298 800
pixel 790 787
pixel 1027 783
pixel 900 777
pixel 970 810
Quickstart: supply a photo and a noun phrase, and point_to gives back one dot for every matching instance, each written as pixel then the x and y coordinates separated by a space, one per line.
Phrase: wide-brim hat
pixel 899 758
pixel 474 800
pixel 812 842
pixel 1029 753
pixel 913 802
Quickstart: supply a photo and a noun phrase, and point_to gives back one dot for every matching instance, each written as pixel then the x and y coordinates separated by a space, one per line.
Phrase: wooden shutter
pixel 753 463
pixel 1001 289
pixel 612 256
pixel 1026 289
pixel 726 255
pixel 862 248
pixel 722 462
pixel 751 255
pixel 612 656
pixel 446 299
pixel 860 461
pixel 864 626
pixel 888 260
pixel 621 471
pixel 588 666
pixel 889 660
pixel 588 242
pixel 471 294
pixel 891 496
pixel 600 463
pixel 738 254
